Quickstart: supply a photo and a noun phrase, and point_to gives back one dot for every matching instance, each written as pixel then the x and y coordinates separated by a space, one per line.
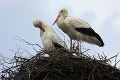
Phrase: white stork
pixel 50 39
pixel 77 29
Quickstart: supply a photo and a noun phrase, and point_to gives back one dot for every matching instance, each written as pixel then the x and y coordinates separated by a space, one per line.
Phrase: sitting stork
pixel 50 39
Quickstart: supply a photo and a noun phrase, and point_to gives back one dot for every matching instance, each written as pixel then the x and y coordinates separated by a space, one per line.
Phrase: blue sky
pixel 16 18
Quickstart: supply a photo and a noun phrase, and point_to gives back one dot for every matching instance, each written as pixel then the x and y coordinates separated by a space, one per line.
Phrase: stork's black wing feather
pixel 90 32
pixel 57 45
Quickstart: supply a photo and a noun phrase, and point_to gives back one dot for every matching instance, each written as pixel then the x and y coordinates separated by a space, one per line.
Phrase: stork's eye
pixel 61 11
pixel 39 25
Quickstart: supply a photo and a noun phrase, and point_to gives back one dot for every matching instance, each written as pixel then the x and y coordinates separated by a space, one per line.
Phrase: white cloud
pixel 47 10
pixel 116 24
pixel 4 3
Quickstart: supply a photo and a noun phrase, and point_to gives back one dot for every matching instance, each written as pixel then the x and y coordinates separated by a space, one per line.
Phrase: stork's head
pixel 62 13
pixel 38 23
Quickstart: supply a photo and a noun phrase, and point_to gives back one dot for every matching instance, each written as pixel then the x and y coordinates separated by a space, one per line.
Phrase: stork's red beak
pixel 56 19
pixel 42 28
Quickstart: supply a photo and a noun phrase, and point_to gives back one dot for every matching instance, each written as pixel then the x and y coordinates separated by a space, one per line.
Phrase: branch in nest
pixel 32 44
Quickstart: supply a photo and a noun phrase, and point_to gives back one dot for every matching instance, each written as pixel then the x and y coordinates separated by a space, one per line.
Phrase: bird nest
pixel 61 65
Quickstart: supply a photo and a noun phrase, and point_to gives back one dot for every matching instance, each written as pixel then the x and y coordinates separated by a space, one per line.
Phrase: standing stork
pixel 50 39
pixel 77 29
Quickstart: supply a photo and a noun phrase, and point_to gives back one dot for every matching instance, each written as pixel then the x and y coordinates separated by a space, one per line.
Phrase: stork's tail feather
pixel 102 44
pixel 99 38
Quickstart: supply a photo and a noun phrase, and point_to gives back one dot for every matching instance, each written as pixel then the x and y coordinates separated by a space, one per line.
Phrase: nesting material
pixel 61 65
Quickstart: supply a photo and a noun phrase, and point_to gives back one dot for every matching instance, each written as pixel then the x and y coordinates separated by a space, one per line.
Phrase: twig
pixel 20 39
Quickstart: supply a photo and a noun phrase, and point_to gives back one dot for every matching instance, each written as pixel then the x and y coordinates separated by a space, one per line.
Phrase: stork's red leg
pixel 70 44
pixel 77 47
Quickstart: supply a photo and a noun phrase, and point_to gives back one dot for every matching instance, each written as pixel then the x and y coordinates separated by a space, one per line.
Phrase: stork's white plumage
pixel 77 29
pixel 50 39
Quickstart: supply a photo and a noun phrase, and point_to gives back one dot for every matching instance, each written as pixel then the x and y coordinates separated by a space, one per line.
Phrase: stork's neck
pixel 60 21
